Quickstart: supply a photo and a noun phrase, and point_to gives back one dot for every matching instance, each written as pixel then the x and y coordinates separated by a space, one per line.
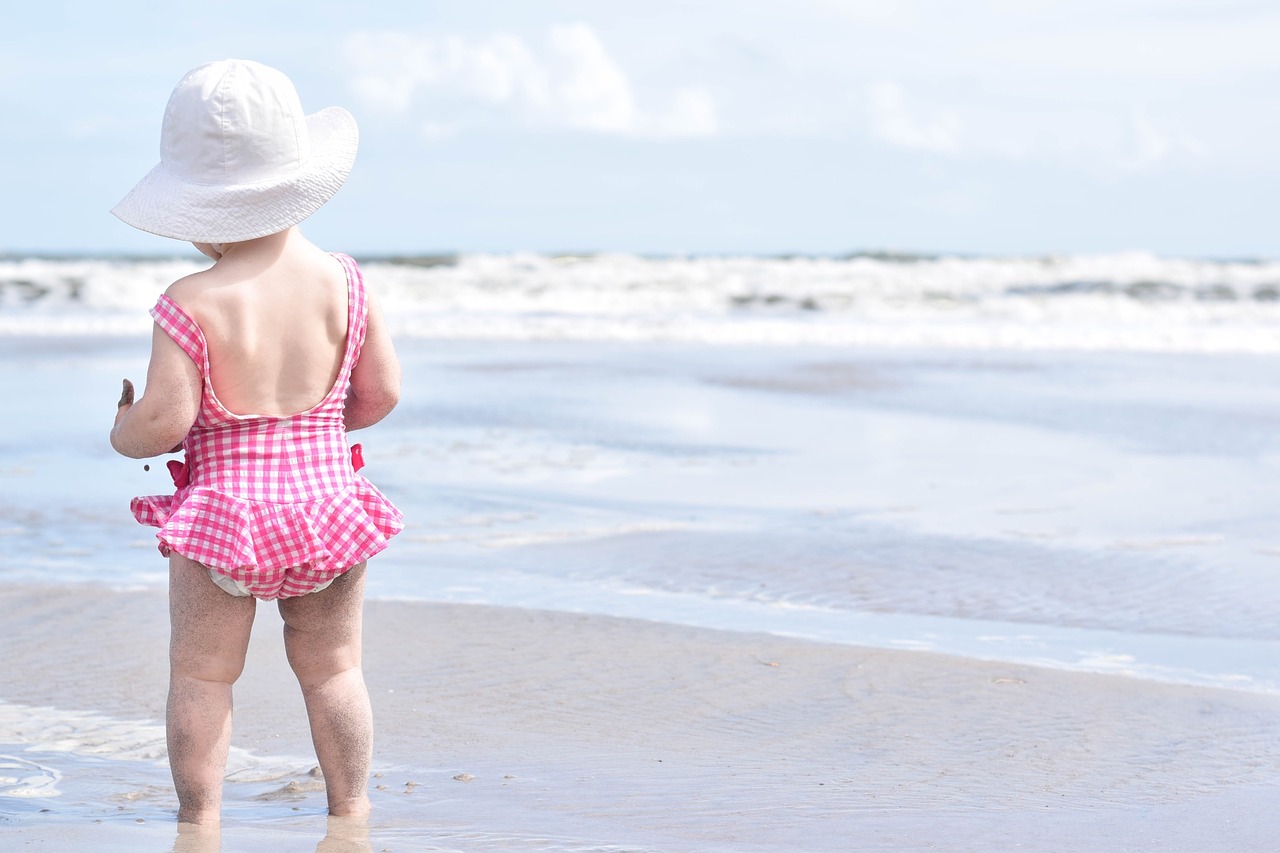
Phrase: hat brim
pixel 171 207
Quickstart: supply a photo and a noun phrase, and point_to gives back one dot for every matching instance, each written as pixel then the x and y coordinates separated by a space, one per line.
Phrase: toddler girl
pixel 259 367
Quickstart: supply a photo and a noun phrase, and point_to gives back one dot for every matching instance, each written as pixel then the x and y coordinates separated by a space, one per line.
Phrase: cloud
pixel 692 113
pixel 1148 146
pixel 568 81
pixel 1118 137
pixel 894 122
pixel 391 68
pixel 1144 144
pixel 588 87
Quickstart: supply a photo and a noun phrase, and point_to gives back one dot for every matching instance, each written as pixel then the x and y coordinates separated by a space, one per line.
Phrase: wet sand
pixel 503 728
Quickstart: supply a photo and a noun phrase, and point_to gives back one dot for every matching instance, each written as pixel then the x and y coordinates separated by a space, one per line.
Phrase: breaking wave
pixel 1128 301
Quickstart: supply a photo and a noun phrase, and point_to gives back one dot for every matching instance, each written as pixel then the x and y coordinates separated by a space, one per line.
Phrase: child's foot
pixel 199 817
pixel 353 807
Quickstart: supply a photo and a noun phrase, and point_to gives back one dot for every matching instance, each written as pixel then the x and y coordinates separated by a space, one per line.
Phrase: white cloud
pixel 1119 137
pixel 570 81
pixel 1149 144
pixel 894 122
pixel 391 68
pixel 1146 144
pixel 692 113
pixel 591 90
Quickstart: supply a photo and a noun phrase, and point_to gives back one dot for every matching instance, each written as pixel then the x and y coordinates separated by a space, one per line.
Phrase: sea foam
pixel 1122 301
pixel 51 730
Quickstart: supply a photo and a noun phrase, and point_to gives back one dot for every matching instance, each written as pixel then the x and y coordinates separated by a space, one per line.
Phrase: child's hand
pixel 126 400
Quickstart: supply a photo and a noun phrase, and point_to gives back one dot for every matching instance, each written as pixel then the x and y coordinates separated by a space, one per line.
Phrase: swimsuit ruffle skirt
pixel 272 502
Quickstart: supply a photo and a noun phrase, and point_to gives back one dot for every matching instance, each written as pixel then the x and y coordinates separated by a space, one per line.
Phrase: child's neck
pixel 260 249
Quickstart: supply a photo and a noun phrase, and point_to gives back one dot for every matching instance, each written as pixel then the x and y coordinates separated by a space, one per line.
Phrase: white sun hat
pixel 238 158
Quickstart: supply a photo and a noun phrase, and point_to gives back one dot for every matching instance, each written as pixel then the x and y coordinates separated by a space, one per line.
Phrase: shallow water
pixel 1071 510
pixel 119 804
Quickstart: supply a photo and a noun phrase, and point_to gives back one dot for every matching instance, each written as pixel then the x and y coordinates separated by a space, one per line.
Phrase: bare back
pixel 274 315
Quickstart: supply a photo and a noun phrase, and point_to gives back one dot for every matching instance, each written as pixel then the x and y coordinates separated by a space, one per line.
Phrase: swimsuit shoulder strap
pixel 357 309
pixel 178 325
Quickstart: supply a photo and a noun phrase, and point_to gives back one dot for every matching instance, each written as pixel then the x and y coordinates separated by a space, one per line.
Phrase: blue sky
pixel 824 126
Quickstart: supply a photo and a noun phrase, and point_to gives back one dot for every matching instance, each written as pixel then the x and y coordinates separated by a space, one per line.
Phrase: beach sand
pixel 511 729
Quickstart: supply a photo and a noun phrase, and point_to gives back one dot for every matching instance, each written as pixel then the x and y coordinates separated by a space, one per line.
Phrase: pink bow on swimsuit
pixel 178 471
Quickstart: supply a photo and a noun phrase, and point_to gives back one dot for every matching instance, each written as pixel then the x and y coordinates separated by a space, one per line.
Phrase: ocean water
pixel 1069 462
pixel 1127 301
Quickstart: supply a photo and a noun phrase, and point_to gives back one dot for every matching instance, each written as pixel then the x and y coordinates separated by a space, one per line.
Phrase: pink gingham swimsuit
pixel 274 503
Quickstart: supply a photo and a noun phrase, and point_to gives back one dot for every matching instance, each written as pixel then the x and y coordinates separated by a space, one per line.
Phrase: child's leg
pixel 208 639
pixel 322 633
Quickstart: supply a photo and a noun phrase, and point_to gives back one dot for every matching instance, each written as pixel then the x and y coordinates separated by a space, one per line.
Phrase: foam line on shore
pixel 48 729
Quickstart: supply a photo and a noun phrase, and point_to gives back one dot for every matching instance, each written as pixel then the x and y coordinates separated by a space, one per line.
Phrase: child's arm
pixel 163 416
pixel 375 379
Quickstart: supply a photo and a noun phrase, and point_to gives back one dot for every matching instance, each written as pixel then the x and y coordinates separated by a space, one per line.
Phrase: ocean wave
pixel 1129 300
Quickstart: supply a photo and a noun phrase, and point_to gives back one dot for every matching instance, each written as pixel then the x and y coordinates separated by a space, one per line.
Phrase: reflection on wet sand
pixel 342 835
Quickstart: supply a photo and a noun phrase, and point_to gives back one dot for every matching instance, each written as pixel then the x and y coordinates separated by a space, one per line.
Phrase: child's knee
pixel 318 655
pixel 213 668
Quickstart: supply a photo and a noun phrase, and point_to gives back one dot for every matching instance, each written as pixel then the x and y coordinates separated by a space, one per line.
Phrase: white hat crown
pixel 234 122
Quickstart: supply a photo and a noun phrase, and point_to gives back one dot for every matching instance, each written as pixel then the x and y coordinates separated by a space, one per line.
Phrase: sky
pixel 994 127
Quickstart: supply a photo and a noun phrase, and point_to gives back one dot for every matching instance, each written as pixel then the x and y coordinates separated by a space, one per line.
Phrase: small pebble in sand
pixel 382 787
pixel 464 777
pixel 146 467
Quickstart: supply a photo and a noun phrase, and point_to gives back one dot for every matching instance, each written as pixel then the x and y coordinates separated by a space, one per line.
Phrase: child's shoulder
pixel 201 282
pixel 196 295
pixel 186 286
pixel 190 289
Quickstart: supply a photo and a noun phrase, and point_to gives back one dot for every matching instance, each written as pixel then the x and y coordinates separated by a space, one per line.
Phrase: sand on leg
pixel 322 637
pixel 208 640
